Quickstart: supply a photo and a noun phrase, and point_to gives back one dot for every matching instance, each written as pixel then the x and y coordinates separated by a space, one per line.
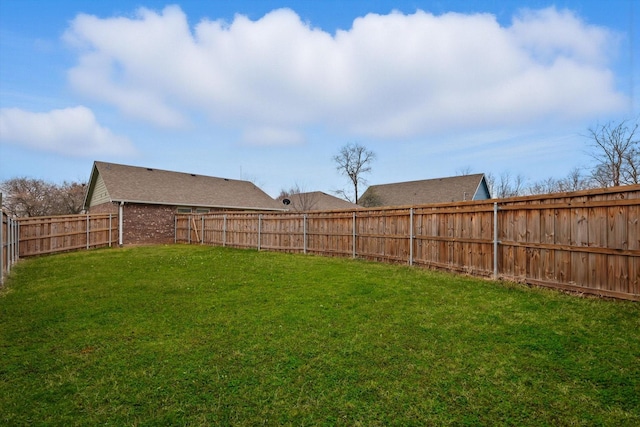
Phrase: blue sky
pixel 270 90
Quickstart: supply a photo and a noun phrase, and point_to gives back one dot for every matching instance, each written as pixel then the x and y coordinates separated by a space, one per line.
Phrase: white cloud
pixel 389 76
pixel 70 131
pixel 272 136
pixel 548 33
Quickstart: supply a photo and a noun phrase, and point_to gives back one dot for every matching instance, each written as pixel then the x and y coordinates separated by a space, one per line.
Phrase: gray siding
pixel 100 194
pixel 483 191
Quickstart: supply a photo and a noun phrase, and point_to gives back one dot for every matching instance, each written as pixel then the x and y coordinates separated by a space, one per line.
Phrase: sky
pixel 270 91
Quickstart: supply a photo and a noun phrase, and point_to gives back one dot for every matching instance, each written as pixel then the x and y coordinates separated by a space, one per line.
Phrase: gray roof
pixel 155 186
pixel 316 201
pixel 438 190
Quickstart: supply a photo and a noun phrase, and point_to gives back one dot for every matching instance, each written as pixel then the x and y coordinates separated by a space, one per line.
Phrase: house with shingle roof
pixel 147 199
pixel 315 201
pixel 427 191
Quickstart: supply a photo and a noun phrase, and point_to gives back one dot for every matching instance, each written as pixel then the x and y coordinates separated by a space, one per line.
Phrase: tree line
pixel 28 197
pixel 615 149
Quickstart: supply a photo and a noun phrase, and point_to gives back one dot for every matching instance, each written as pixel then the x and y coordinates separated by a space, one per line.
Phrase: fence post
pixel 189 230
pixel 353 226
pixel 16 240
pixel 411 236
pixel 259 229
pixel 202 230
pixel 1 243
pixel 14 249
pixel 120 223
pixel 10 244
pixel 110 230
pixel 9 247
pixel 495 240
pixel 88 227
pixel 224 230
pixel 304 233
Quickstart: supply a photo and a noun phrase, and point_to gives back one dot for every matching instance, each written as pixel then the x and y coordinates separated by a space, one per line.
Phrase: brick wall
pixel 108 208
pixel 148 224
pixel 143 224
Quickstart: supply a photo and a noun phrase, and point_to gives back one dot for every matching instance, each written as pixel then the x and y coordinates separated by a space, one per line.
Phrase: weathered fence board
pixel 586 241
pixel 24 237
pixel 46 235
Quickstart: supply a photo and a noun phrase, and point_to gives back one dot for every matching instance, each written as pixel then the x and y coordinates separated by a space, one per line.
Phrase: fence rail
pixel 24 237
pixel 586 241
pixel 46 235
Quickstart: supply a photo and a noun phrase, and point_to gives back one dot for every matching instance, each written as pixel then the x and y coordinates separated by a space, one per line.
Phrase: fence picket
pixel 585 241
pixel 46 235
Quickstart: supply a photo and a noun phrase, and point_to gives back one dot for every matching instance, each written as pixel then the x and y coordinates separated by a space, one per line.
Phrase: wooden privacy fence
pixel 8 243
pixel 46 235
pixel 586 241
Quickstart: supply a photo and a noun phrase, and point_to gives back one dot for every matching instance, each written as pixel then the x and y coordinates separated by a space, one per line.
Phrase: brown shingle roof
pixel 156 186
pixel 317 201
pixel 438 190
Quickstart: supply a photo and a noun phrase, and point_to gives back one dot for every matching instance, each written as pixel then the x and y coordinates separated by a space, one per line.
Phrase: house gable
pixel 482 193
pixel 112 182
pixel 438 190
pixel 100 194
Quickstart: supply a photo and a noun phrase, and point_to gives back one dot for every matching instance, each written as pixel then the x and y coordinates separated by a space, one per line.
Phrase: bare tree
pixel 464 171
pixel 490 178
pixel 631 173
pixel 69 198
pixel 616 152
pixel 27 197
pixel 545 186
pixel 506 185
pixel 284 194
pixel 354 160
pixel 576 181
pixel 299 199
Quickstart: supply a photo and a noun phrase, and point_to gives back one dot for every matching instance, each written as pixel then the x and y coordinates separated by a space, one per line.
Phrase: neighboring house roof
pixel 110 182
pixel 438 190
pixel 316 201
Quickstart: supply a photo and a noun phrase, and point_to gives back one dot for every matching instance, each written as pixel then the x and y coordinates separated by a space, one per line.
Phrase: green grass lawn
pixel 192 335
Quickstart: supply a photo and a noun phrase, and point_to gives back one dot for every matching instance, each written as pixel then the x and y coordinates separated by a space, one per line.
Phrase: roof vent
pixel 286 202
pixel 149 169
pixel 193 174
pixel 226 179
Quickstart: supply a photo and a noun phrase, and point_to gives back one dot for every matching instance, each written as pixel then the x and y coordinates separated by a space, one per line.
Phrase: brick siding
pixel 107 208
pixel 148 224
pixel 143 224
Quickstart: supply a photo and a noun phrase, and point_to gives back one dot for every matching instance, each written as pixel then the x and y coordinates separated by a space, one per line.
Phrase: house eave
pixel 197 205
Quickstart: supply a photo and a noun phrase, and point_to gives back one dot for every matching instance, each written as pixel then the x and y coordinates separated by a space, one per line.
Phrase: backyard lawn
pixel 196 335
